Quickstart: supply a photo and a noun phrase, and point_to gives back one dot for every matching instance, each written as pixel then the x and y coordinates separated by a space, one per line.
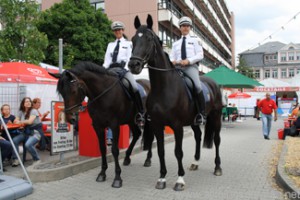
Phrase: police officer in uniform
pixel 186 53
pixel 116 59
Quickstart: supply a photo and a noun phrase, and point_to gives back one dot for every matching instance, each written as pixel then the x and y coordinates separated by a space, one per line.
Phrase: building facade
pixel 274 60
pixel 213 24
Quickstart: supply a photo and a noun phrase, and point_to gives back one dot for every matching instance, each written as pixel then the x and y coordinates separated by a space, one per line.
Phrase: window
pixel 267 57
pixel 257 74
pixel 267 73
pixel 99 5
pixel 298 70
pixel 275 73
pixel 283 58
pixel 291 55
pixel 291 73
pixel 283 73
pixel 275 57
pixel 298 56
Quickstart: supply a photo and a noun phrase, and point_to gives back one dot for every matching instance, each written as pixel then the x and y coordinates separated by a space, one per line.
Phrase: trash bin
pixel 281 134
pixel 88 140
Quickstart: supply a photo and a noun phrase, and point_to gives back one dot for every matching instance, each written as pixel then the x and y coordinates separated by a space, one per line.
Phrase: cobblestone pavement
pixel 245 159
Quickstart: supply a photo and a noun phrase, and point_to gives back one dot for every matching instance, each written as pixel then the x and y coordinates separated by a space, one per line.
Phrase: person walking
pixel 267 106
pixel 116 59
pixel 186 54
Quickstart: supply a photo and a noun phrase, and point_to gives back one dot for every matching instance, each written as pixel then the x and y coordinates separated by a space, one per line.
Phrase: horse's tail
pixel 148 136
pixel 209 134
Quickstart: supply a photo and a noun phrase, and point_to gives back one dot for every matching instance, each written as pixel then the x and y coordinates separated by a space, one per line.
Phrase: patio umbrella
pixel 239 95
pixel 226 77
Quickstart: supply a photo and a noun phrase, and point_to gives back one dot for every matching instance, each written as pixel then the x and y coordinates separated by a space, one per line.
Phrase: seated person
pixel 37 105
pixel 8 118
pixel 6 149
pixel 295 111
pixel 297 122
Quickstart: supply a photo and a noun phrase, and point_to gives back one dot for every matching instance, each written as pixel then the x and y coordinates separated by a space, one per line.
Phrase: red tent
pixel 19 72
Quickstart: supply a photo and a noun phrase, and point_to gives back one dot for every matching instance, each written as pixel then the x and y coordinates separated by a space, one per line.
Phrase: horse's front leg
pixel 197 136
pixel 101 140
pixel 159 134
pixel 148 137
pixel 178 133
pixel 117 183
pixel 136 132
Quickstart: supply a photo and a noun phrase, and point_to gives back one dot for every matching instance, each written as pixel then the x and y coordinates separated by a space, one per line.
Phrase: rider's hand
pixel 185 62
pixel 275 118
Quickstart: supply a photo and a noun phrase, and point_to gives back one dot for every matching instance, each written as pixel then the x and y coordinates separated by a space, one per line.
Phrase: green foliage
pixel 20 39
pixel 244 69
pixel 84 30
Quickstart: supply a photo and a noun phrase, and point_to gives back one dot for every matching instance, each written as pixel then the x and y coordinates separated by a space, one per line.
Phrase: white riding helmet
pixel 185 21
pixel 117 25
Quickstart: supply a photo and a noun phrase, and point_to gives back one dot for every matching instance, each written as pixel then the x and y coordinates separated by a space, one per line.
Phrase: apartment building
pixel 274 60
pixel 213 23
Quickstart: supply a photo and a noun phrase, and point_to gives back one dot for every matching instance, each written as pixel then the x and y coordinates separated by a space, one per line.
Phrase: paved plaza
pixel 245 157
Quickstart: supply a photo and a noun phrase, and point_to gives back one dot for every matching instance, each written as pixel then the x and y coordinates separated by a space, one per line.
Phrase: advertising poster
pixel 62 131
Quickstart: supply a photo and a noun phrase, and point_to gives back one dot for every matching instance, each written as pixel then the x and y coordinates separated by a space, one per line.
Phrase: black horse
pixel 168 102
pixel 108 106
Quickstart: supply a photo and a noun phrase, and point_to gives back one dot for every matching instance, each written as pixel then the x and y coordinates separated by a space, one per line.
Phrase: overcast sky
pixel 256 20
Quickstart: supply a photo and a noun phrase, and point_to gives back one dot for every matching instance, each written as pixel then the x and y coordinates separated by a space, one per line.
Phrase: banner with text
pixel 62 131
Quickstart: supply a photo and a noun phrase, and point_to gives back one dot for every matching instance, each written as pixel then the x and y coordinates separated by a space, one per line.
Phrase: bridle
pixel 79 105
pixel 145 60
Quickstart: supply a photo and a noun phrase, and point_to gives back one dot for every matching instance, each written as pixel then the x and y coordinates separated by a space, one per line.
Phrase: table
pixel 231 111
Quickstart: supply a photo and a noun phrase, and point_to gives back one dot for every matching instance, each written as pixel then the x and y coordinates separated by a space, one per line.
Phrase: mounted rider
pixel 116 59
pixel 186 53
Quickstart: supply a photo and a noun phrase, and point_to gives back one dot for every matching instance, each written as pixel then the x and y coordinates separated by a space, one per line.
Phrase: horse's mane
pixel 64 82
pixel 90 66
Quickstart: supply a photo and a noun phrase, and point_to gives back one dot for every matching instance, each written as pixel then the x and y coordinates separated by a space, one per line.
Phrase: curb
pixel 59 173
pixel 283 179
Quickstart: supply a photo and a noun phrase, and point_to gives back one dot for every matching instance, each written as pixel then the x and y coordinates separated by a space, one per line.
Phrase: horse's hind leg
pixel 101 140
pixel 217 141
pixel 197 136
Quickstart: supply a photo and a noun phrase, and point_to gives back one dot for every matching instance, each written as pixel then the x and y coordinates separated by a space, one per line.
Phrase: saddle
pixel 126 84
pixel 190 86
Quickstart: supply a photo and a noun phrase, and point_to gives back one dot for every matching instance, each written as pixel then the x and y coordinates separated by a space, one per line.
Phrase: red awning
pixel 19 72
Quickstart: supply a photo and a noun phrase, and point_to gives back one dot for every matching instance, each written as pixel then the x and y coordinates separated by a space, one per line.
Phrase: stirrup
pixel 140 119
pixel 199 119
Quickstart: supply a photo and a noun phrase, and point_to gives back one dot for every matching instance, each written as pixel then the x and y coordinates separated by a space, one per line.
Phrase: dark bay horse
pixel 108 106
pixel 168 103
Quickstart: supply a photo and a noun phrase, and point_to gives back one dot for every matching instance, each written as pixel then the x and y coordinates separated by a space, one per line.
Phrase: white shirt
pixel 194 51
pixel 125 48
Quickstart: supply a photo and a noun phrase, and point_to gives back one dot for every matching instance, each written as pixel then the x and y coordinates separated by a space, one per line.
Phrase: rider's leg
pixel 139 118
pixel 193 73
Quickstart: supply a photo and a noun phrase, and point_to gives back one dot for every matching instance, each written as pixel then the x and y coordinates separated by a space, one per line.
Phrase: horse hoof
pixel 147 163
pixel 126 161
pixel 193 167
pixel 117 184
pixel 218 172
pixel 101 178
pixel 160 185
pixel 179 187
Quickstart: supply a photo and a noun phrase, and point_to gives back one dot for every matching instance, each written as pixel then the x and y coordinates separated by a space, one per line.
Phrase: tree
pixel 84 30
pixel 20 39
pixel 244 69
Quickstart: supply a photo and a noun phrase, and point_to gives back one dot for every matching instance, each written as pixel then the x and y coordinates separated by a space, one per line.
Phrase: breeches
pixel 193 73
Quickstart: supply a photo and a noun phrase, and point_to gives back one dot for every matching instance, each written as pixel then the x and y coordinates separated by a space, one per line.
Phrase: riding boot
pixel 201 116
pixel 139 117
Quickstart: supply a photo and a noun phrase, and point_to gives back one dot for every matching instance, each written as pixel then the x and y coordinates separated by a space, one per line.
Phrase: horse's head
pixel 144 44
pixel 72 90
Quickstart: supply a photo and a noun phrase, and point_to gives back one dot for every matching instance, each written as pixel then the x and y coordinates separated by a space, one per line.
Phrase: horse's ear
pixel 137 22
pixel 149 22
pixel 55 75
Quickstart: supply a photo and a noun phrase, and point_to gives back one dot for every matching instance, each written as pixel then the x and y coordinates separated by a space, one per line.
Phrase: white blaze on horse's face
pixel 140 34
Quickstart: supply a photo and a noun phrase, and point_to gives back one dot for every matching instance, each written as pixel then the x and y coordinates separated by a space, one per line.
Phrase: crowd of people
pixel 24 128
